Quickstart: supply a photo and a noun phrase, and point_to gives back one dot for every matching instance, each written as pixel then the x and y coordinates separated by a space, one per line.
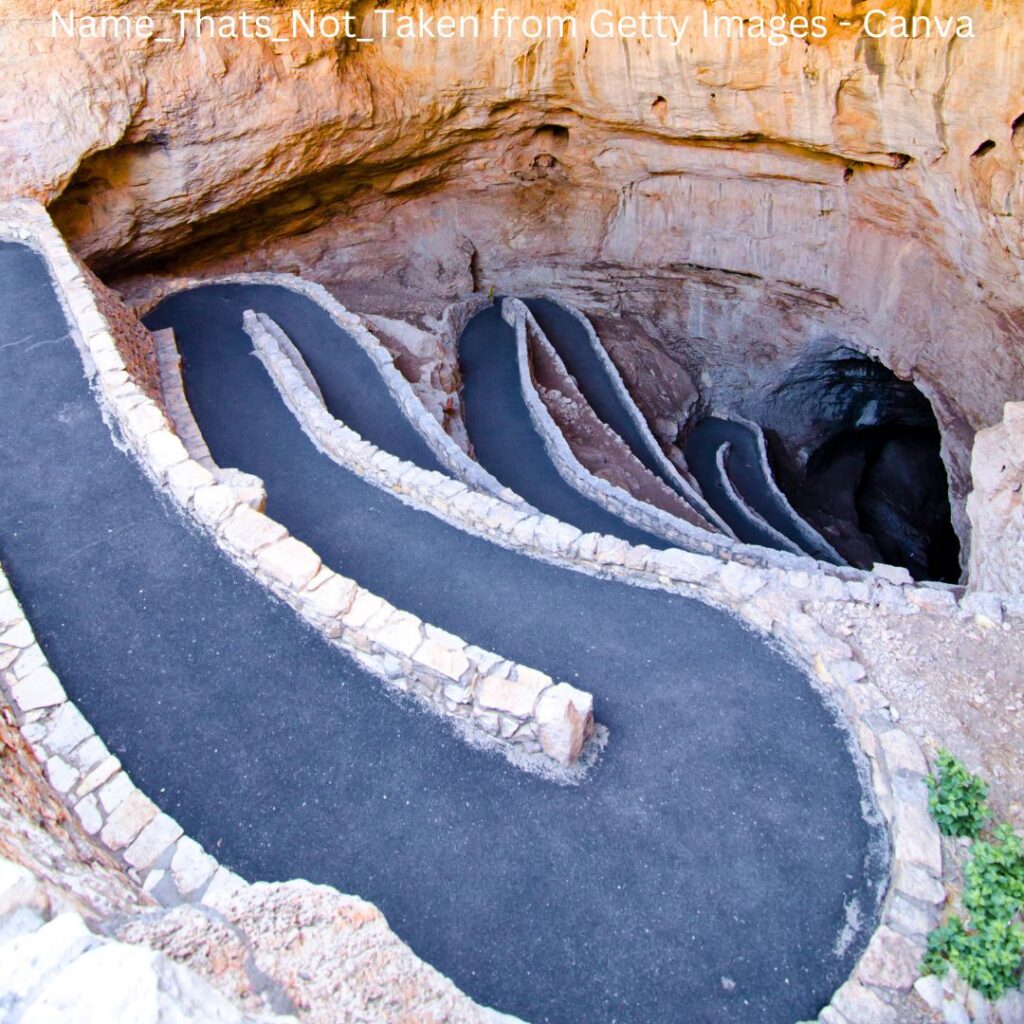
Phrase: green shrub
pixel 988 959
pixel 957 798
pixel 994 877
pixel 987 949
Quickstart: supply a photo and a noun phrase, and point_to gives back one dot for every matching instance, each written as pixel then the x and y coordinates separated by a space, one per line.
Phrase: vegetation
pixel 957 798
pixel 987 946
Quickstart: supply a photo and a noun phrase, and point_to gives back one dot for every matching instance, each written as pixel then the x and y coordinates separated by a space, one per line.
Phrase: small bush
pixel 957 798
pixel 994 877
pixel 987 949
pixel 988 959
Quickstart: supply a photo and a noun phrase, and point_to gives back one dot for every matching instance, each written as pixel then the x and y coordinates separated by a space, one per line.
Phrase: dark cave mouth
pixel 896 481
pixel 858 452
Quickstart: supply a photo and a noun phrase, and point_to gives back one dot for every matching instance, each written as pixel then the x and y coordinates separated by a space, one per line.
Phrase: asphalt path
pixel 505 441
pixel 745 473
pixel 702 871
pixel 571 341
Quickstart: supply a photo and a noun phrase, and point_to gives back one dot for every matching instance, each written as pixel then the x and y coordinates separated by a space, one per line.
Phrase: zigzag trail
pixel 726 789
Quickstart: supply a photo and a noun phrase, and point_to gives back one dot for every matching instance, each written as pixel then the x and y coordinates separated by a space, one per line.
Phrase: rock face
pixel 739 202
pixel 69 871
pixel 996 506
pixel 282 945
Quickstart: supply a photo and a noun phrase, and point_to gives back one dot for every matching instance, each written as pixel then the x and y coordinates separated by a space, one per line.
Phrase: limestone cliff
pixel 743 203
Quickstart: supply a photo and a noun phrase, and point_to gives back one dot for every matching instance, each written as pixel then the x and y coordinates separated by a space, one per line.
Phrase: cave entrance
pixel 858 453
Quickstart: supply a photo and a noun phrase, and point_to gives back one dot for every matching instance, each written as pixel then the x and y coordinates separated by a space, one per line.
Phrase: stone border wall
pixel 686 536
pixel 532 344
pixel 513 705
pixel 687 487
pixel 616 500
pixel 448 453
pixel 809 534
pixel 894 765
pixel 753 517
pixel 546 538
pixel 171 388
pixel 149 845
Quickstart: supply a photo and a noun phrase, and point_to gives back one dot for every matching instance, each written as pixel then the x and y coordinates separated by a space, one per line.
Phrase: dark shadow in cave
pixel 857 451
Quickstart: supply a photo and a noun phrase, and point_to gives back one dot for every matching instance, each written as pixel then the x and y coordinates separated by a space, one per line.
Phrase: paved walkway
pixel 719 838
pixel 746 472
pixel 570 340
pixel 504 438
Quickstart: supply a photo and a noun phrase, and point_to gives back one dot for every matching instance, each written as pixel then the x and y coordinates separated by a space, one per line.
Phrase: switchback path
pixel 747 474
pixel 719 838
pixel 505 440
pixel 569 339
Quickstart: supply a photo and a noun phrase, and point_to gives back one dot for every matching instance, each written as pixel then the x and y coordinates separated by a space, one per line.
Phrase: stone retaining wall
pixel 687 486
pixel 752 516
pixel 148 843
pixel 616 500
pixel 512 704
pixel 170 386
pixel 448 453
pixel 888 586
pixel 718 578
pixel 531 341
pixel 809 534
pixel 894 766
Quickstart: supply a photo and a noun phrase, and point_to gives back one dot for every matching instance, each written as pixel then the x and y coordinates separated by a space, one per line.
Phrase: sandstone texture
pixel 283 944
pixel 726 209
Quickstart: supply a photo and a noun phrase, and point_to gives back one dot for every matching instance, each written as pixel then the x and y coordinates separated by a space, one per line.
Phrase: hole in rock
pixel 554 135
pixel 857 451
pixel 848 174
pixel 1017 131
pixel 899 160
pixel 660 107
pixel 986 147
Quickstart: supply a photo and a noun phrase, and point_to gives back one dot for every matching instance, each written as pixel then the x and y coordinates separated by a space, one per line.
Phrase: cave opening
pixel 858 452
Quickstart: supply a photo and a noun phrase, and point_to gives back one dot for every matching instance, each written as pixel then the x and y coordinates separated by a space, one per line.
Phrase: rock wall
pixel 742 203
pixel 996 506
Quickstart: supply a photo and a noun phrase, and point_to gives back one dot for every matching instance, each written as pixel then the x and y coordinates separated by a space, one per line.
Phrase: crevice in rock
pixel 474 267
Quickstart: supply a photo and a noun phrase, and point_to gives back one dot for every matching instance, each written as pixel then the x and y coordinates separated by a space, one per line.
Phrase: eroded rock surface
pixel 996 506
pixel 741 201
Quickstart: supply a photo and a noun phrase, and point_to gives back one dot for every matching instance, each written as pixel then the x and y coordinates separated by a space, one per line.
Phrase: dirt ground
pixel 957 684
